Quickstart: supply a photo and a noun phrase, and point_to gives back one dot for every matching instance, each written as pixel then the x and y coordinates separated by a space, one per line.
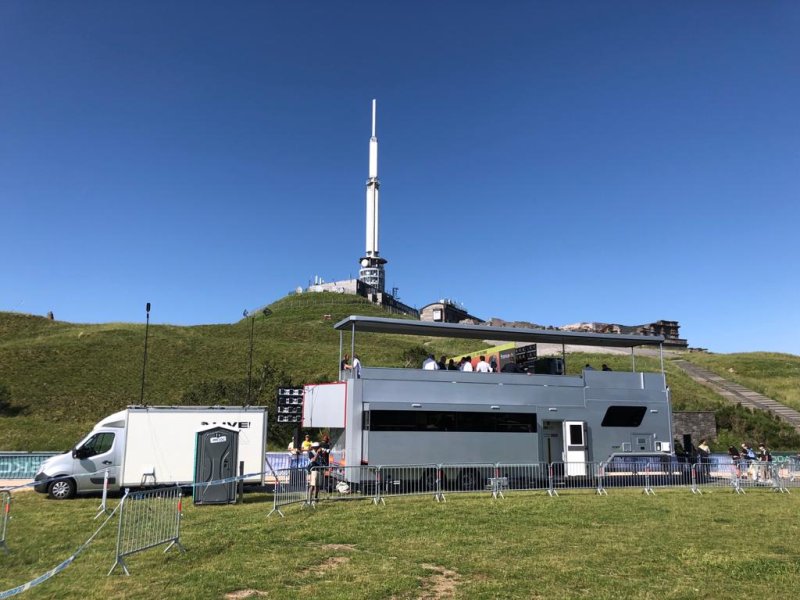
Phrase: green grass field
pixel 624 545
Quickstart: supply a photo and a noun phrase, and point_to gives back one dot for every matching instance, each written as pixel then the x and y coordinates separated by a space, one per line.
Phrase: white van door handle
pixel 106 462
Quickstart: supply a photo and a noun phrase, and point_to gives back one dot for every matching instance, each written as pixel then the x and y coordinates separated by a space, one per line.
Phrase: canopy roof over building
pixel 363 324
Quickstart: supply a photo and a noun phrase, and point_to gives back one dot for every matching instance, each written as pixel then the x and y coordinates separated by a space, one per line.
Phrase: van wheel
pixel 63 489
pixel 468 479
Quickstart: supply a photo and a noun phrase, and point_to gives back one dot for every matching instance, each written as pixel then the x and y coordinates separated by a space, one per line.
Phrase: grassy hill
pixel 57 379
pixel 773 374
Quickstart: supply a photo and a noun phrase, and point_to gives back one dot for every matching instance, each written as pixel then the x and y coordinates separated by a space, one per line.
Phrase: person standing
pixel 429 364
pixel 703 457
pixel 467 364
pixel 314 473
pixel 442 363
pixel 355 367
pixel 606 367
pixel 764 457
pixel 483 366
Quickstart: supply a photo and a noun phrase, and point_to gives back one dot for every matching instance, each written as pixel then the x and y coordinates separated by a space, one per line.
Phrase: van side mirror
pixel 79 453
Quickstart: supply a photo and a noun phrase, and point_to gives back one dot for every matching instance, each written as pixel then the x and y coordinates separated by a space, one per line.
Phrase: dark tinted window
pixel 624 416
pixel 98 444
pixel 576 435
pixel 436 420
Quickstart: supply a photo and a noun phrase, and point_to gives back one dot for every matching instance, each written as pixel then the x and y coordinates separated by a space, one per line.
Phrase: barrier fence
pixel 146 520
pixel 294 486
pixel 5 515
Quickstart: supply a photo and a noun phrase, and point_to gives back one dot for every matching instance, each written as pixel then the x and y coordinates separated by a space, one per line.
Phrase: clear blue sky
pixel 543 161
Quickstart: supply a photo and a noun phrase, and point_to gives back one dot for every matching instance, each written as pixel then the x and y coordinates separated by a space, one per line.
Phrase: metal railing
pixel 380 482
pixel 5 515
pixel 146 520
pixel 309 485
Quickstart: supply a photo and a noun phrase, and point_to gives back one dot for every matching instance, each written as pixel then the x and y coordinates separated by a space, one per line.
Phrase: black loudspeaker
pixel 687 443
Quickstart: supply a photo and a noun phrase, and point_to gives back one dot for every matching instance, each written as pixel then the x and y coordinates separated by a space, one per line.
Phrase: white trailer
pixel 153 445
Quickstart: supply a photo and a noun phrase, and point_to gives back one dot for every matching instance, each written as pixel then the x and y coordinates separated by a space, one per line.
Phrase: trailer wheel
pixel 468 479
pixel 62 489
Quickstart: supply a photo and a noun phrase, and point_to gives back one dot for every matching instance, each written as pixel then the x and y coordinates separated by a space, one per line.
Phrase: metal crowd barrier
pixel 741 475
pixel 5 515
pixel 146 520
pixel 409 480
pixel 646 473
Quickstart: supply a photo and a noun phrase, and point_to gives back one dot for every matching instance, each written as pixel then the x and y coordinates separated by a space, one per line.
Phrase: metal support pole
pixel 633 360
pixel 250 362
pixel 240 483
pixel 551 487
pixel 101 510
pixel 439 495
pixel 341 340
pixel 695 489
pixel 353 346
pixel 144 360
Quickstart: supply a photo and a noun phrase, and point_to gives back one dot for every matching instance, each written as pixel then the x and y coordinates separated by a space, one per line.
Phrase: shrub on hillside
pixel 6 408
pixel 738 424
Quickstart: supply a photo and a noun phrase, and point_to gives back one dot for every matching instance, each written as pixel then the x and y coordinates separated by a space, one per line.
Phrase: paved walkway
pixel 738 394
pixel 9 483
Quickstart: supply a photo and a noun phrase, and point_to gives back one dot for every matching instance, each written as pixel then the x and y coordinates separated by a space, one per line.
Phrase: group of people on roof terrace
pixel 464 364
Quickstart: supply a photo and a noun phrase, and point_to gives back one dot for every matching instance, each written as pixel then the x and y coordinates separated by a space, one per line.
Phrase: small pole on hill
pixel 144 360
pixel 266 312
pixel 250 366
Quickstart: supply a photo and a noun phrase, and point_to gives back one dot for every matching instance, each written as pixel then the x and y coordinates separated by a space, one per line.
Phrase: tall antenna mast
pixel 371 272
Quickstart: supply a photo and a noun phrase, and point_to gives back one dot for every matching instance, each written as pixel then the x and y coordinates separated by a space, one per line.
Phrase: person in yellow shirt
pixel 306 446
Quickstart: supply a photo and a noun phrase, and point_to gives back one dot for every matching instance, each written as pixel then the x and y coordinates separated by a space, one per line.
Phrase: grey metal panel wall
pixel 396 374
pixel 380 391
pixel 413 447
pixel 613 379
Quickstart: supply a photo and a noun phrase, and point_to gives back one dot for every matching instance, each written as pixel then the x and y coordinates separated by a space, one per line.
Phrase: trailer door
pixel 575 448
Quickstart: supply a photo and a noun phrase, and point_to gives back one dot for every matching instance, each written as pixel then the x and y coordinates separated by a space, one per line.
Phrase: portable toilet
pixel 216 455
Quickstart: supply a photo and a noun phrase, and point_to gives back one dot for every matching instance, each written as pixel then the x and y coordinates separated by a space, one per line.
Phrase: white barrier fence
pixel 146 520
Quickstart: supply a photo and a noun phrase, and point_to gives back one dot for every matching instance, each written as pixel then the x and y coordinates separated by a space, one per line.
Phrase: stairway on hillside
pixel 738 394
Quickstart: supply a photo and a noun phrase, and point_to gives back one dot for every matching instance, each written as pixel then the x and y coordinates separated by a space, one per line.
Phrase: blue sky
pixel 544 161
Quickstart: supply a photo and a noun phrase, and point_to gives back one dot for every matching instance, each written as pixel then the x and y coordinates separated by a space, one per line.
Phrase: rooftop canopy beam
pixel 363 324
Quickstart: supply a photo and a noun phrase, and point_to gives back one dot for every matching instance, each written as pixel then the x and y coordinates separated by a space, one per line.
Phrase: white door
pixel 92 459
pixel 575 448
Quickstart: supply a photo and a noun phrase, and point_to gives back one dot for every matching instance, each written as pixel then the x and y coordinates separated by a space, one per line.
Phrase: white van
pixel 153 445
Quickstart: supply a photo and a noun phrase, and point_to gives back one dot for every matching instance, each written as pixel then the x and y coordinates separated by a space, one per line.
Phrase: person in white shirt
pixel 355 367
pixel 467 366
pixel 483 366
pixel 429 364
